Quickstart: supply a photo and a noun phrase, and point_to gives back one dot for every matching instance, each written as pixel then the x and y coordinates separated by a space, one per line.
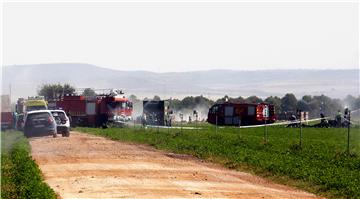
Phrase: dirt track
pixel 85 166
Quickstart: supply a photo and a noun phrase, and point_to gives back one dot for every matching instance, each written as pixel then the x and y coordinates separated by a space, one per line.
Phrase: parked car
pixel 62 122
pixel 39 123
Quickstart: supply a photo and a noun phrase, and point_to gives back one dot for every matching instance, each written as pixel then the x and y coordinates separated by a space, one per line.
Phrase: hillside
pixel 26 79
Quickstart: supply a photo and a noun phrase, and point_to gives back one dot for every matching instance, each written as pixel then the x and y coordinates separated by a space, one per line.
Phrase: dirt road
pixel 85 166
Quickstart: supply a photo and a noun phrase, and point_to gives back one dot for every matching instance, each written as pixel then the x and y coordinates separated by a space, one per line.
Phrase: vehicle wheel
pixel 67 133
pixel 54 135
pixel 104 126
pixel 63 134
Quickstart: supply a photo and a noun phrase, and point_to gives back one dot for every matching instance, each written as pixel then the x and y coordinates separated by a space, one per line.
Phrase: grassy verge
pixel 20 176
pixel 320 165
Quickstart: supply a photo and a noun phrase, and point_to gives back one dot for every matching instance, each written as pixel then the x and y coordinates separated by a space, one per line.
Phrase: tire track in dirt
pixel 86 166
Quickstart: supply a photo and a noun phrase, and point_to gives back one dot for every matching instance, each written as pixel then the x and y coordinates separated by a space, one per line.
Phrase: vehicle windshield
pixel 35 108
pixel 60 115
pixel 35 116
pixel 214 110
pixel 117 105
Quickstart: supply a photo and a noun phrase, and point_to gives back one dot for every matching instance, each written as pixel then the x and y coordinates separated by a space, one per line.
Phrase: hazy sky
pixel 166 37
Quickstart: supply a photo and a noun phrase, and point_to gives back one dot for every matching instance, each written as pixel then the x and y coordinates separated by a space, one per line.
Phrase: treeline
pixel 287 104
pixel 56 91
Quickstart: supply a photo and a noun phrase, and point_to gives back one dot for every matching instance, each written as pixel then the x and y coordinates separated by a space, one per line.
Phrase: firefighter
pixel 170 114
pixel 292 121
pixel 69 116
pixel 292 117
pixel 143 120
pixel 170 120
pixel 14 121
pixel 323 121
pixel 338 118
pixel 322 116
pixel 346 117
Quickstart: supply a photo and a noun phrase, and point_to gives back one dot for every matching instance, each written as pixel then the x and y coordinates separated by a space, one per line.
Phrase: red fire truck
pixel 96 111
pixel 235 114
pixel 7 119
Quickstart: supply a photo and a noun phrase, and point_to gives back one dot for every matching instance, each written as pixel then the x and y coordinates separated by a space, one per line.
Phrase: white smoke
pixel 137 109
pixel 202 111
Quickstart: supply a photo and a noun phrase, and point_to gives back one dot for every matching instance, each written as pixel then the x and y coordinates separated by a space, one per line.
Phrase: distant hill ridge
pixel 26 79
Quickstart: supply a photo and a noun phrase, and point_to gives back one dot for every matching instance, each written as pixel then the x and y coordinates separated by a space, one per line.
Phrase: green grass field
pixel 321 165
pixel 20 176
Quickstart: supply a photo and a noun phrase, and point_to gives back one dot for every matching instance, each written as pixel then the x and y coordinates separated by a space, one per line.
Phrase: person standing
pixel 143 120
pixel 14 120
pixel 338 118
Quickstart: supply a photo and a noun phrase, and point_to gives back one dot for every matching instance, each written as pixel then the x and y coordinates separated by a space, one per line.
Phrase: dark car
pixel 39 123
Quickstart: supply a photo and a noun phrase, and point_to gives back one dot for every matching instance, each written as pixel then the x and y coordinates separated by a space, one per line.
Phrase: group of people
pixel 155 119
pixel 340 120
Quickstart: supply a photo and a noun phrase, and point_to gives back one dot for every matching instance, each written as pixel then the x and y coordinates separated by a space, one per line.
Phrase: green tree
pixel 254 99
pixel 276 101
pixel 324 104
pixel 55 91
pixel 239 100
pixel 356 104
pixel 307 98
pixel 288 103
pixel 67 89
pixel 89 92
pixel 156 98
pixel 314 107
pixel 303 105
pixel 188 102
pixel 223 99
pixel 175 104
pixel 201 100
pixel 350 102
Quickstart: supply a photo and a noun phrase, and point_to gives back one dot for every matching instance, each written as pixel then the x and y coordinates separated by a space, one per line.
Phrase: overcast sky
pixel 165 37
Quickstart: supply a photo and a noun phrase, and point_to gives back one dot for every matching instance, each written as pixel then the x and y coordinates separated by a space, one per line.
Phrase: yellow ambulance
pixel 35 103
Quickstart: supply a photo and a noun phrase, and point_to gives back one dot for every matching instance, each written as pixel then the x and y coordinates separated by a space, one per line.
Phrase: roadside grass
pixel 20 175
pixel 320 165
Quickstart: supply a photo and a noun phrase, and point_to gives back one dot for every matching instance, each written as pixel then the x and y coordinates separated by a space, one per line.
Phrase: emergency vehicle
pixel 35 103
pixel 244 114
pixel 96 111
pixel 7 121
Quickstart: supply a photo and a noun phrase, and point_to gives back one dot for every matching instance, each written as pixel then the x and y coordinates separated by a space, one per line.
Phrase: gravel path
pixel 86 166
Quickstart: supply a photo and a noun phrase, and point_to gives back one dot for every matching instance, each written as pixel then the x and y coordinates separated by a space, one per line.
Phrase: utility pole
pixel 265 115
pixel 300 132
pixel 348 123
pixel 216 124
pixel 181 120
pixel 240 127
pixel 196 119
pixel 10 92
